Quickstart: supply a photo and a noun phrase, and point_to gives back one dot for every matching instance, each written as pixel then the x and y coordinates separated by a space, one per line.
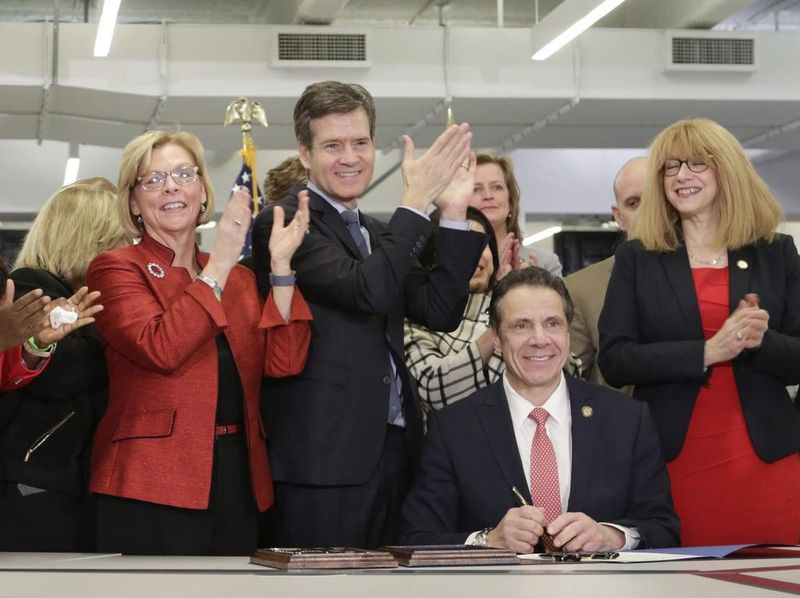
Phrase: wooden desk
pixel 29 575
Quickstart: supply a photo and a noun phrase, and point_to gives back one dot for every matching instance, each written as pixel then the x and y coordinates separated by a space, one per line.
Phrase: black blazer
pixel 470 462
pixel 326 426
pixel 651 336
pixel 74 382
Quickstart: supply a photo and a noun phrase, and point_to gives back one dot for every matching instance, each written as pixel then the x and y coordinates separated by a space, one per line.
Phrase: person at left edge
pixel 179 462
pixel 46 427
pixel 341 455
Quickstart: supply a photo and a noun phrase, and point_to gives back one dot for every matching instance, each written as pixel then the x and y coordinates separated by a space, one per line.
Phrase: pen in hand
pixel 524 503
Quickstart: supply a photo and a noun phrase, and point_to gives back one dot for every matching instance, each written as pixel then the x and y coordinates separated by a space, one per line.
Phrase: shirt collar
pixel 336 205
pixel 557 404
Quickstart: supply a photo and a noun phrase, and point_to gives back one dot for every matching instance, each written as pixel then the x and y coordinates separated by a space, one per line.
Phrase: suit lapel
pixel 330 219
pixel 740 270
pixel 586 417
pixel 676 265
pixel 495 419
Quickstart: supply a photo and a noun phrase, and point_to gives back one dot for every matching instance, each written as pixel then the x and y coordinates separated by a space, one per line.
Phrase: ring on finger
pixel 739 335
pixel 237 222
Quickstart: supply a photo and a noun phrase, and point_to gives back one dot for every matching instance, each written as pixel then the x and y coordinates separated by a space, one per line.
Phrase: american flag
pixel 246 179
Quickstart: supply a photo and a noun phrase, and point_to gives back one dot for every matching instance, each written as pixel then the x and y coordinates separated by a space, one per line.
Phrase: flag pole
pixel 244 111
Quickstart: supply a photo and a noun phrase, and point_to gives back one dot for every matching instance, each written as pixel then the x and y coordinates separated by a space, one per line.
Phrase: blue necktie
pixel 354 228
pixel 395 401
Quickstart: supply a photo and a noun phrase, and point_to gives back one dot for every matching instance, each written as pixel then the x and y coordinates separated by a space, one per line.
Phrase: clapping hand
pixel 284 240
pixel 744 329
pixel 82 302
pixel 509 256
pixel 453 201
pixel 231 232
pixel 425 178
pixel 21 319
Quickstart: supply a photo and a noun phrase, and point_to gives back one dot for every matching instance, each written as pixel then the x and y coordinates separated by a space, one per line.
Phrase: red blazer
pixel 156 440
pixel 13 371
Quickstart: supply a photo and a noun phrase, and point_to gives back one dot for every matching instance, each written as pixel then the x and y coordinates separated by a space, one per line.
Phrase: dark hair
pixel 534 277
pixel 428 255
pixel 330 97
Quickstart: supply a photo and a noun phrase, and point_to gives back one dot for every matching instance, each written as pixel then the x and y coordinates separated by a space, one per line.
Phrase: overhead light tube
pixel 105 28
pixel 566 22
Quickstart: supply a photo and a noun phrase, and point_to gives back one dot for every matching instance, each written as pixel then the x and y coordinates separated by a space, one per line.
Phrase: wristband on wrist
pixel 211 282
pixel 31 347
pixel 282 281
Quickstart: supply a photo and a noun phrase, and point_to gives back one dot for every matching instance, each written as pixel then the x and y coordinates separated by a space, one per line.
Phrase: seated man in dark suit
pixel 538 455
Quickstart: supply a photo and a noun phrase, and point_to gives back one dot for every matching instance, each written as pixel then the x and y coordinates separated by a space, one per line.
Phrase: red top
pixel 156 440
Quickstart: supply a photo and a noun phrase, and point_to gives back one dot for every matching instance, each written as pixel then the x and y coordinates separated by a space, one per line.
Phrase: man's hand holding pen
pixel 523 526
pixel 519 529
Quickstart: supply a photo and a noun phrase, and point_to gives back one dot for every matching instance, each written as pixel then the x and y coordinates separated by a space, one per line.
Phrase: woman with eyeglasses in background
pixel 702 315
pixel 179 463
pixel 45 438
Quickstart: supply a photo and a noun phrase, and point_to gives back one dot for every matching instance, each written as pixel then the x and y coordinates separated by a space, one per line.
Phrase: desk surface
pixel 24 575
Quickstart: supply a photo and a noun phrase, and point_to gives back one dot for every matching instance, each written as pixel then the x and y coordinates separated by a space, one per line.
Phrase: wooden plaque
pixel 451 555
pixel 291 559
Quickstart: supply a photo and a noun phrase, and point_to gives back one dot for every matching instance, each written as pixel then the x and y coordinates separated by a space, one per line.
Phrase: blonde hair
pixel 283 177
pixel 507 166
pixel 78 222
pixel 748 212
pixel 138 153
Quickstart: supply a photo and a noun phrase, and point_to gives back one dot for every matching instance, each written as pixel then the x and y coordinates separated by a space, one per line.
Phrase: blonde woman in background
pixel 46 427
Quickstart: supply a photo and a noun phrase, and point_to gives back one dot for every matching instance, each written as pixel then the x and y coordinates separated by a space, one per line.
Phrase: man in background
pixel 587 287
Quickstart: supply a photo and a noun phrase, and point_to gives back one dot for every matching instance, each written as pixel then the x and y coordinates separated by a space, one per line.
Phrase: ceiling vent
pixel 706 51
pixel 296 49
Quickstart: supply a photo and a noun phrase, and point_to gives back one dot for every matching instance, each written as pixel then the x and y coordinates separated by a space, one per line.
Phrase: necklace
pixel 714 261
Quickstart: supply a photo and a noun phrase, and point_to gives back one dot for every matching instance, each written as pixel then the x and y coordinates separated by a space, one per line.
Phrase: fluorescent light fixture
pixel 566 22
pixel 73 164
pixel 105 28
pixel 208 225
pixel 541 235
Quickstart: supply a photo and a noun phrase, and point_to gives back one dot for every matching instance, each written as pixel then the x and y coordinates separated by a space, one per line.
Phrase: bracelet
pixel 212 282
pixel 286 280
pixel 31 347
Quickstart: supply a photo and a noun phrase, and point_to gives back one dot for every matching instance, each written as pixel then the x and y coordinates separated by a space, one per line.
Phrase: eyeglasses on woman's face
pixel 154 181
pixel 673 166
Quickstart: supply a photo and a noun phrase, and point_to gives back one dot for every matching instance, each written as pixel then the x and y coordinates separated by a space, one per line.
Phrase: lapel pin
pixel 155 270
pixel 742 265
pixel 587 411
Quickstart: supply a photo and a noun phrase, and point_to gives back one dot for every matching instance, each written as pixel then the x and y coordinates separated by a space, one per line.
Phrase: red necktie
pixel 544 473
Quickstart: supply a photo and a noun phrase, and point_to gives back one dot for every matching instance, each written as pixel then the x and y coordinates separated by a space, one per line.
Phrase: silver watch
pixel 482 537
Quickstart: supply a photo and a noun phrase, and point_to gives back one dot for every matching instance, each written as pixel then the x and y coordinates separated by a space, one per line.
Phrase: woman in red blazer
pixel 179 461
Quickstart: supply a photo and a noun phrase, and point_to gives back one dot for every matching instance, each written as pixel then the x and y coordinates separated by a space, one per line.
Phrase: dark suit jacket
pixel 651 336
pixel 326 426
pixel 470 462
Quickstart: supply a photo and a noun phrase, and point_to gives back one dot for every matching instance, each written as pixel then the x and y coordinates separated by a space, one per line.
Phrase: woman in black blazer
pixel 46 427
pixel 702 315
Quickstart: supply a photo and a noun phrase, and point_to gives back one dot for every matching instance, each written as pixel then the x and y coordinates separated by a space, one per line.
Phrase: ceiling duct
pixel 706 51
pixel 304 49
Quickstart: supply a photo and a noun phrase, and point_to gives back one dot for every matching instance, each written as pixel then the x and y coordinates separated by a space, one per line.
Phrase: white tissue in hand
pixel 59 316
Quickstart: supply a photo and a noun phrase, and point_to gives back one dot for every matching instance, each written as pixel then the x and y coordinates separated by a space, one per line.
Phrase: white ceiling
pixel 99 114
pixel 104 117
